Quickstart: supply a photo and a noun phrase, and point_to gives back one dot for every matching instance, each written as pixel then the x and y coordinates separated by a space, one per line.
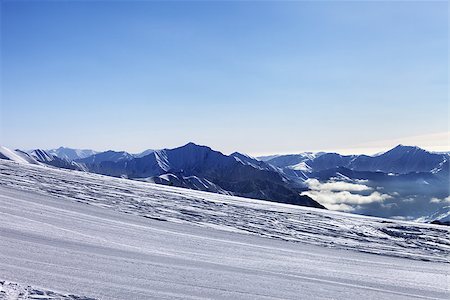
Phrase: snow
pixel 161 159
pixel 12 290
pixel 109 238
pixel 302 166
pixel 17 156
pixel 441 215
pixel 41 155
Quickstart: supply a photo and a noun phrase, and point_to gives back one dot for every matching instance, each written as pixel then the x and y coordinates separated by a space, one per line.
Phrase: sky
pixel 254 77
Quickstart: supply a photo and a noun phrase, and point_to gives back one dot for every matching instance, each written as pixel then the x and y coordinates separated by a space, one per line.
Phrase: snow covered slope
pixel 17 156
pixel 275 220
pixel 109 238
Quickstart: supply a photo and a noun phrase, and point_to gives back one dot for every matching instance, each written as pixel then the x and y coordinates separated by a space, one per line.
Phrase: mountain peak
pixel 193 146
pixel 405 148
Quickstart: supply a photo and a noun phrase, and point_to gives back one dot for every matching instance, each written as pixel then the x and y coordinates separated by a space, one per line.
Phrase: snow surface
pixel 102 237
pixel 12 290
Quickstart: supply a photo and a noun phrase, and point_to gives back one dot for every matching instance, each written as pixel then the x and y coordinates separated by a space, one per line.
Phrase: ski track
pixel 69 233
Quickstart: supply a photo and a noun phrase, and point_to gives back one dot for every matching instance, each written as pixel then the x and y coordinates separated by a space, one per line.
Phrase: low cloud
pixel 316 185
pixel 438 200
pixel 342 196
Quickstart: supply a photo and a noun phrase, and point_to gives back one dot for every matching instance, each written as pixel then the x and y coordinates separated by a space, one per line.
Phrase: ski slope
pixel 75 233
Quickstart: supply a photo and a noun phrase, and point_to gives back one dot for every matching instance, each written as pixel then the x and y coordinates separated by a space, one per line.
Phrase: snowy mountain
pixel 442 169
pixel 38 156
pixel 52 160
pixel 70 153
pixel 253 162
pixel 441 216
pixel 401 159
pixel 399 183
pixel 144 153
pixel 290 160
pixel 107 156
pixel 17 156
pixel 200 167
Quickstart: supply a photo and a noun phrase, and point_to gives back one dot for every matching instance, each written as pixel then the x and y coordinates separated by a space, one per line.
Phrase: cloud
pixel 340 207
pixel 403 218
pixel 437 200
pixel 408 200
pixel 337 195
pixel 316 185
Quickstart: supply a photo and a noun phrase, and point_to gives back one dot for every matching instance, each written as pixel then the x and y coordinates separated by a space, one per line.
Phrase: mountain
pixel 144 153
pixel 53 160
pixel 443 169
pixel 440 217
pixel 251 161
pixel 70 153
pixel 404 182
pixel 329 160
pixel 200 167
pixel 401 159
pixel 17 156
pixel 38 157
pixel 107 156
pixel 289 160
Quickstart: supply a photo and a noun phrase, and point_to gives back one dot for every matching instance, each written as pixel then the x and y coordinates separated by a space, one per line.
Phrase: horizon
pixel 262 78
pixel 254 156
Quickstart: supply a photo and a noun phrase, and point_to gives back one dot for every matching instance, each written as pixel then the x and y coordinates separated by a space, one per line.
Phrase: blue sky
pixel 256 77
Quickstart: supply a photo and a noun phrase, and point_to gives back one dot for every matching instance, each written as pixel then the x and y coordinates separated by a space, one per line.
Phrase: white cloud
pixel 336 195
pixel 410 199
pixel 316 185
pixel 437 200
pixel 340 207
pixel 361 180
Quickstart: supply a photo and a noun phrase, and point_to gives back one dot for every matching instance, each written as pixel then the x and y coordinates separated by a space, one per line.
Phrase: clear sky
pixel 254 77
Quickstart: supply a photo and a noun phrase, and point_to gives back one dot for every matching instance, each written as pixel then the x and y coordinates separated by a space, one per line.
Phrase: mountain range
pixel 401 159
pixel 406 182
pixel 190 166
